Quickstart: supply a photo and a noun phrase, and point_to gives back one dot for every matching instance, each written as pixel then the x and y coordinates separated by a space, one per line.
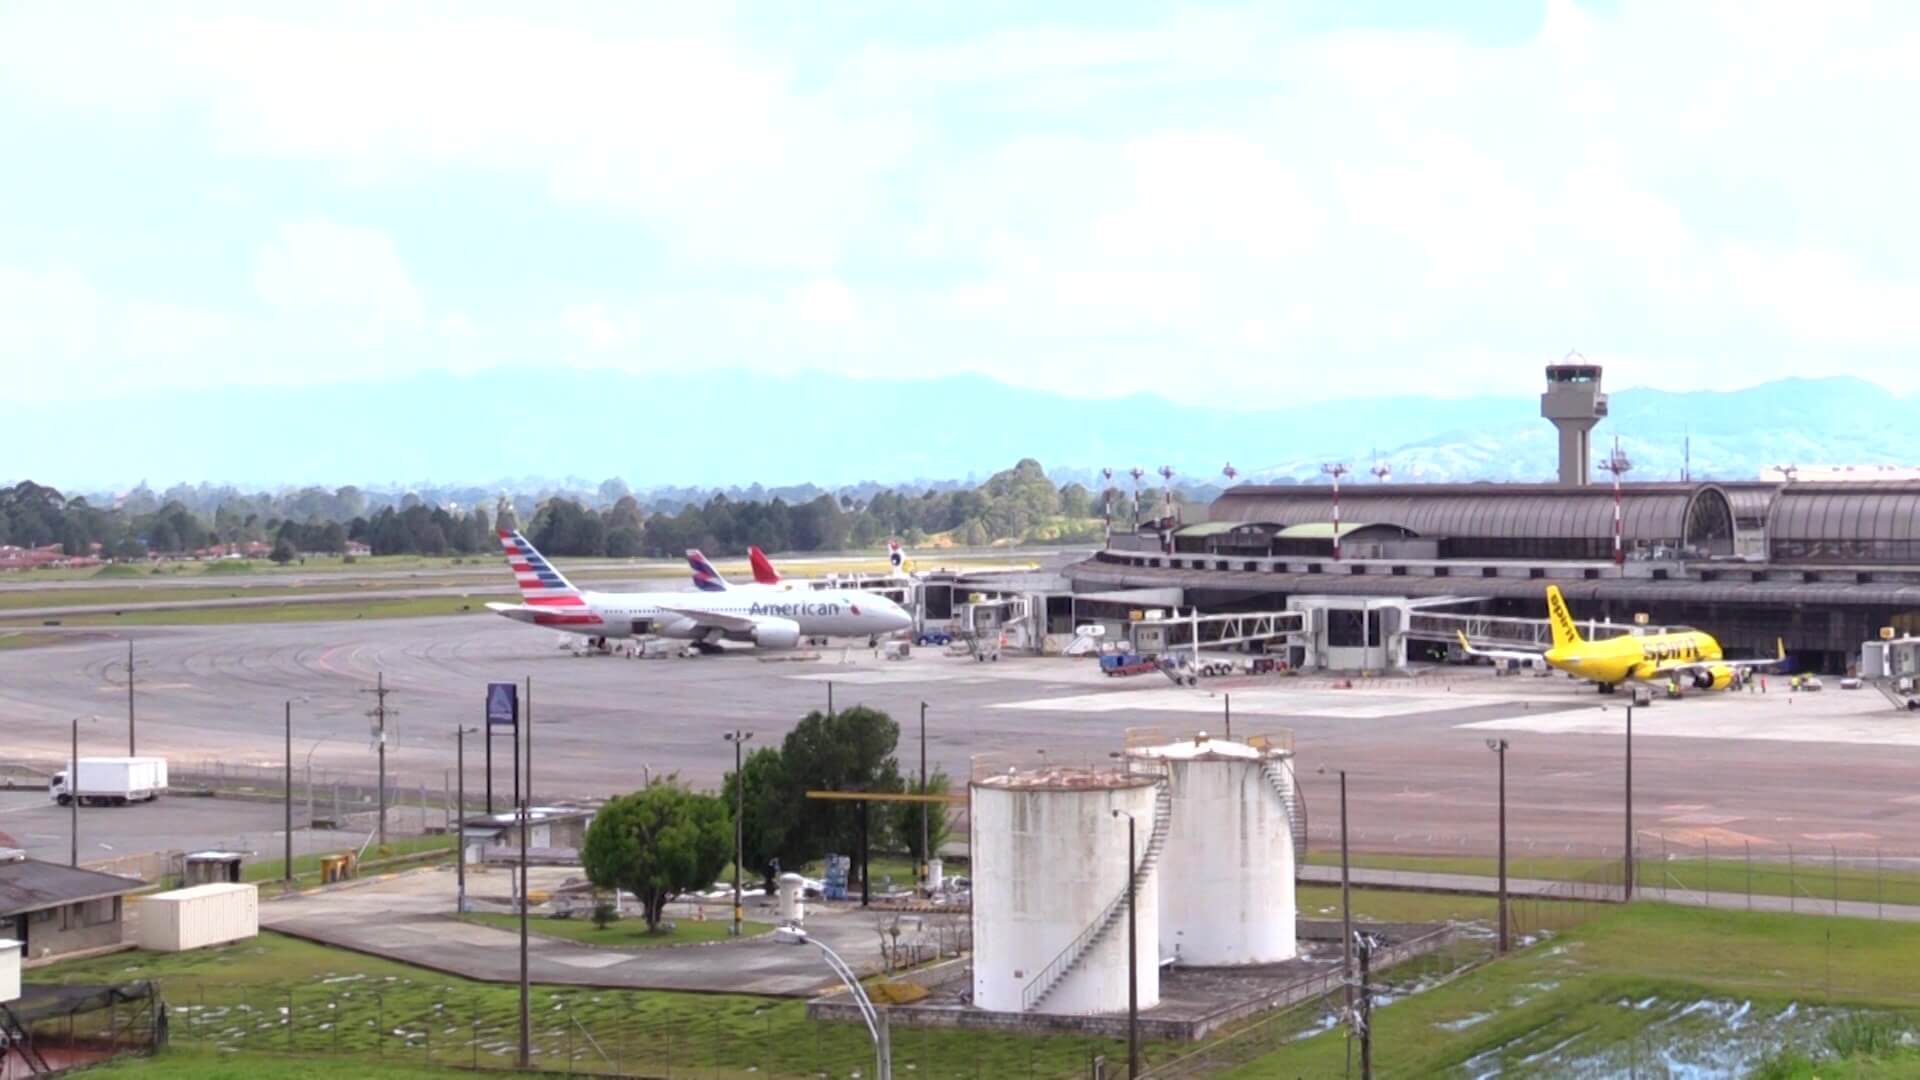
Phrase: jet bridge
pixel 1162 634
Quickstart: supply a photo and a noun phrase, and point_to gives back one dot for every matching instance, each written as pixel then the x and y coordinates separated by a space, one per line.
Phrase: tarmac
pixel 1826 770
pixel 407 917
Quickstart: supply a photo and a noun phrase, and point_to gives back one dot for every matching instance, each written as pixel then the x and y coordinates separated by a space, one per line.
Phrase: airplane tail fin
pixel 540 584
pixel 705 577
pixel 1564 631
pixel 763 571
pixel 896 558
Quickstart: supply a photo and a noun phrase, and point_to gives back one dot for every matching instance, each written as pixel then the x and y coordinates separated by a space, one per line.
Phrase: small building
pixel 199 916
pixel 54 910
pixel 556 832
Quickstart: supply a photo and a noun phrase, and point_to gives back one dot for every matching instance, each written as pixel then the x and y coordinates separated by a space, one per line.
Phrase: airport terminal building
pixel 1824 566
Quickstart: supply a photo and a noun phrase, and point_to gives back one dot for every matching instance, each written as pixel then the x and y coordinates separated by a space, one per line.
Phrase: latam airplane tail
pixel 540 584
pixel 763 571
pixel 896 558
pixel 705 577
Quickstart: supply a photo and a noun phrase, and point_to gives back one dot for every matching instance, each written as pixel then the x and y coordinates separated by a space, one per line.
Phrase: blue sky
pixel 1261 203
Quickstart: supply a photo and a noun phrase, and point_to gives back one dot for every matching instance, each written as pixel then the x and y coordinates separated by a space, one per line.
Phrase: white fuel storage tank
pixel 1050 887
pixel 1229 862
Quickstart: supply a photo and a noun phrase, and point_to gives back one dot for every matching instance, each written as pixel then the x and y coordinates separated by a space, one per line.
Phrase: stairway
pixel 1891 691
pixel 1280 778
pixel 1062 965
pixel 15 1040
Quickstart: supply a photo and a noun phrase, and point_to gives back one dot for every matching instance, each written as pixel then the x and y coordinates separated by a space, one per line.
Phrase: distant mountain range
pixel 715 429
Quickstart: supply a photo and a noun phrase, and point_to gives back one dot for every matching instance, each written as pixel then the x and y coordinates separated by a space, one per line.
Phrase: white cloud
pixel 347 275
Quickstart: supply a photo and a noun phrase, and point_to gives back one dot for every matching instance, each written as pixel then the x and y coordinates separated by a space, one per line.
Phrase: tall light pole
pixel 286 875
pixel 1499 747
pixel 1229 472
pixel 380 712
pixel 739 740
pixel 1136 472
pixel 1619 466
pixel 926 810
pixel 1346 895
pixel 1133 954
pixel 1381 470
pixel 875 1020
pixel 1627 868
pixel 1106 501
pixel 309 770
pixel 130 669
pixel 1335 469
pixel 460 814
pixel 1166 491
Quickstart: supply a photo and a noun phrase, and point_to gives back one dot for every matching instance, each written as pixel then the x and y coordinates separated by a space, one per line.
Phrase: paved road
pixel 1833 770
pixel 28 820
pixel 405 917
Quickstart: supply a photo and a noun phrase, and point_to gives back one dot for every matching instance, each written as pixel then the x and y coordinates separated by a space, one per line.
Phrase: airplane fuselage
pixel 624 615
pixel 1617 659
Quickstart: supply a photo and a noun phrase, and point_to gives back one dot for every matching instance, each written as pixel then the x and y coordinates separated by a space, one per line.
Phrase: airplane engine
pixel 776 633
pixel 1713 678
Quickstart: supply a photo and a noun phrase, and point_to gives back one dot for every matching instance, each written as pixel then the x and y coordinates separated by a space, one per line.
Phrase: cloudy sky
pixel 1245 203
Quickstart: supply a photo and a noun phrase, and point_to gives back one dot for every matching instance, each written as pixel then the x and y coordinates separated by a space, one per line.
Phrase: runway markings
pixel 1335 704
pixel 1861 729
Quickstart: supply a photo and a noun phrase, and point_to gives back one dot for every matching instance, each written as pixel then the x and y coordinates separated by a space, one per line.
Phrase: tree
pixel 851 750
pixel 283 551
pixel 765 824
pixel 907 817
pixel 657 843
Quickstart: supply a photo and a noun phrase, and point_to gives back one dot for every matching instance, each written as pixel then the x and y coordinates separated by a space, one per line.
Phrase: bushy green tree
pixel 850 750
pixel 765 822
pixel 907 817
pixel 657 843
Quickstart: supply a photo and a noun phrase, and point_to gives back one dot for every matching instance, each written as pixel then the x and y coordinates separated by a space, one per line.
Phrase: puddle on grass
pixel 1703 1039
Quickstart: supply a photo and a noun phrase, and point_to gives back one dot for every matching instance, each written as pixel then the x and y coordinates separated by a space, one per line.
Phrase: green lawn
pixel 280 995
pixel 1575 983
pixel 1813 875
pixel 306 868
pixel 202 1064
pixel 627 933
pixel 393 608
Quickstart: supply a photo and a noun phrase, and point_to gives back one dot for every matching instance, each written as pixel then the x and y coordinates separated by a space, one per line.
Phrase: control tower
pixel 1574 403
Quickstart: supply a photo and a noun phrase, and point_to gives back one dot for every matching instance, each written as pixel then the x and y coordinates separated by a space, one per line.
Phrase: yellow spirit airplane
pixel 1680 657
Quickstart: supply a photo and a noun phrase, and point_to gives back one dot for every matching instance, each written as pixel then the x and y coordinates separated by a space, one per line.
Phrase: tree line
pixel 1016 503
pixel 665 839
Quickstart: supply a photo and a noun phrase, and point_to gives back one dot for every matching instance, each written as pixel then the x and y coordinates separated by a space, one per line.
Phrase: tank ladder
pixel 15 1040
pixel 1279 774
pixel 1062 965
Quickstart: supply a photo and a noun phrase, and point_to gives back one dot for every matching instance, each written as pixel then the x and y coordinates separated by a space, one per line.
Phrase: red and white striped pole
pixel 1619 466
pixel 1619 550
pixel 1335 470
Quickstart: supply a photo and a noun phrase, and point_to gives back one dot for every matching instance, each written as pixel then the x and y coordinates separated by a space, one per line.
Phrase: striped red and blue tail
pixel 540 584
pixel 705 577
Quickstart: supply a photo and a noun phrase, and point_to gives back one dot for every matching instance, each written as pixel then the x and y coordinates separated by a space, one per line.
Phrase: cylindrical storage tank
pixel 793 909
pixel 1049 864
pixel 1229 858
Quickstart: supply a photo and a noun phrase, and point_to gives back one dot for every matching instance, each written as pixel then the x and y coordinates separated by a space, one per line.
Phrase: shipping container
pixel 9 970
pixel 200 916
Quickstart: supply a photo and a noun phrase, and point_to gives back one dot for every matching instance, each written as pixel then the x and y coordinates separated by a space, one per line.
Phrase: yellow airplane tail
pixel 1564 632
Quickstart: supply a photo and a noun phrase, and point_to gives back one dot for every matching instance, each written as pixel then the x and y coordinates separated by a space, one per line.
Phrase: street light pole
pixel 460 814
pixel 739 740
pixel 1133 955
pixel 1336 469
pixel 73 796
pixel 129 697
pixel 1499 747
pixel 926 810
pixel 1627 867
pixel 1346 898
pixel 287 870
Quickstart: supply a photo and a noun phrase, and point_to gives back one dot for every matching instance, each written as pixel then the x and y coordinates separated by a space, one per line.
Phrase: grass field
pixel 201 1064
pixel 1814 874
pixel 280 995
pixel 627 933
pixel 306 868
pixel 1576 984
pixel 345 611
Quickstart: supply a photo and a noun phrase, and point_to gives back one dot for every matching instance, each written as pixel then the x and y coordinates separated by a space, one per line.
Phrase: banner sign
pixel 503 706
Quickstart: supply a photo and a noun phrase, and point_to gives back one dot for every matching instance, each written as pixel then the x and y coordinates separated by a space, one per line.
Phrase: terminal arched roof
pixel 1551 511
pixel 1849 512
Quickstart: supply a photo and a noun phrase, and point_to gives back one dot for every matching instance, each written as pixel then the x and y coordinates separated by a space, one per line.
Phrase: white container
pixel 9 970
pixel 936 875
pixel 203 915
pixel 111 780
pixel 793 908
pixel 1230 853
pixel 1049 861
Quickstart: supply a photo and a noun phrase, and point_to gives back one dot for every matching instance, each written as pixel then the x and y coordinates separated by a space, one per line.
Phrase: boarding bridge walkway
pixel 1503 630
pixel 1220 631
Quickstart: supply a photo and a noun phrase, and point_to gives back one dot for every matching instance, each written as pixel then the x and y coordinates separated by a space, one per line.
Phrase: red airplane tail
pixel 763 571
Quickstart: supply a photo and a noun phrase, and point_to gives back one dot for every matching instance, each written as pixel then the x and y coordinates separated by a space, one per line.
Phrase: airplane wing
pixel 737 624
pixel 1497 654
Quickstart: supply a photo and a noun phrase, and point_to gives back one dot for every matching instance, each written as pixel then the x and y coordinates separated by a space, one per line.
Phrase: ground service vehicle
pixel 110 781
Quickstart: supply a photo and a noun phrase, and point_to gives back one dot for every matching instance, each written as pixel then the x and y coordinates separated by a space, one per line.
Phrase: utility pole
pixel 529 745
pixel 1365 1017
pixel 926 810
pixel 739 740
pixel 287 874
pixel 1133 954
pixel 1627 867
pixel 460 815
pixel 1335 469
pixel 380 712
pixel 130 750
pixel 1346 898
pixel 526 990
pixel 73 798
pixel 1106 498
pixel 1619 466
pixel 1499 747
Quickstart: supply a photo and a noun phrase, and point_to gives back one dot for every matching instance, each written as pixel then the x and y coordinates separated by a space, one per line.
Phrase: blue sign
pixel 503 705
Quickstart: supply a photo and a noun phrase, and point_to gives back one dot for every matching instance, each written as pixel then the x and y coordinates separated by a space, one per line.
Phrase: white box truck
pixel 110 781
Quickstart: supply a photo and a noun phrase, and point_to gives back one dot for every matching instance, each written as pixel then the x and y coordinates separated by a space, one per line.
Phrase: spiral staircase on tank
pixel 1280 777
pixel 1057 970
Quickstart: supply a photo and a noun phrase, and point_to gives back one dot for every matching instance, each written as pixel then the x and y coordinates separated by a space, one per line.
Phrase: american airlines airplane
pixel 704 618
